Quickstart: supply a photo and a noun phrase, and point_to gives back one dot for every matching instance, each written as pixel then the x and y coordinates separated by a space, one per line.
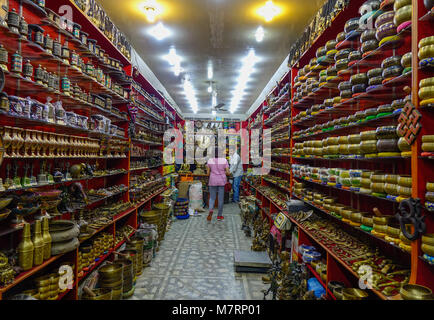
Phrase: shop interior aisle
pixel 195 261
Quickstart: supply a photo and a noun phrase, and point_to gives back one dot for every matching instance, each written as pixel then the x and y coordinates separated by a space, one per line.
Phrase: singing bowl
pixel 321 52
pixel 415 292
pixel 111 271
pixel 426 93
pixel 398 4
pixel 430 186
pixel 380 228
pixel 391 189
pixel 351 25
pixel 376 81
pixel 376 72
pixel 406 60
pixel 354 294
pixel 43 281
pixel 342 54
pixel 369 146
pixel 428 82
pixel 337 292
pixel 385 108
pixel 368 221
pixel 330 45
pixel 405 181
pixel 332 285
pixel 403 145
pixel 391 61
pixel 393 231
pixel 429 196
pixel 360 78
pixel 381 220
pixel 428 138
pixel 368 135
pixel 392 41
pixel 383 18
pixel 426 52
pixel 426 42
pixel 386 30
pixel 404 191
pixel 355 56
pixel 428 249
pixel 4 202
pixel 50 195
pixel 428 238
pixel 393 71
pixel 402 15
pixel 368 35
pixel 101 294
pixel 365 183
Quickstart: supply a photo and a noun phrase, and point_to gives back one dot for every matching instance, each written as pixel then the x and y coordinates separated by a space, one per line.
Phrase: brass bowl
pixel 380 228
pixel 415 292
pixel 393 231
pixel 426 42
pixel 377 187
pixel 404 191
pixel 430 186
pixel 428 238
pixel 392 178
pixel 426 93
pixel 111 271
pixel 4 202
pixel 405 181
pixel 43 281
pixel 354 139
pixel 381 220
pixel 346 213
pixel 428 249
pixel 368 146
pixel 110 285
pixel 377 178
pixel 391 189
pixel 368 221
pixel 426 52
pixel 428 82
pixel 354 294
pixel 368 135
pixel 402 15
pixel 428 138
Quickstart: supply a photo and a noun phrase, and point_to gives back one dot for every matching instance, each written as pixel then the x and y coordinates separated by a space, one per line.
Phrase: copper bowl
pixel 415 292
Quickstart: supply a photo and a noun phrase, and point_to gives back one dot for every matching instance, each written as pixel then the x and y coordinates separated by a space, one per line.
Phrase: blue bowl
pixel 183 217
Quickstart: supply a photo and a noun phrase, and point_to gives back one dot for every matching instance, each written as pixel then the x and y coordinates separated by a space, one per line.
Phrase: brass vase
pixel 46 238
pixel 38 243
pixel 25 249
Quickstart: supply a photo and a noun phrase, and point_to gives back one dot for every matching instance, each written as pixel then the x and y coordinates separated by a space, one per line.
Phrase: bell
pixel 13 21
pixel 28 70
pixel 3 58
pixel 17 63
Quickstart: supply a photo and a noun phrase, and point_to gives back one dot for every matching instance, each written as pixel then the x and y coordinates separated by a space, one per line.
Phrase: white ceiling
pixel 220 31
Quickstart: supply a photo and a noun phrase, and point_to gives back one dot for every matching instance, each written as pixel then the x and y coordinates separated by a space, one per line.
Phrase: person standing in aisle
pixel 217 170
pixel 236 169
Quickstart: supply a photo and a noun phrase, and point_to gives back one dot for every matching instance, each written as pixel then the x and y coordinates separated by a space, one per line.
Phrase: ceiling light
pixel 259 34
pixel 214 99
pixel 214 113
pixel 190 94
pixel 159 32
pixel 172 57
pixel 247 69
pixel 177 69
pixel 210 71
pixel 152 10
pixel 269 11
pixel 209 89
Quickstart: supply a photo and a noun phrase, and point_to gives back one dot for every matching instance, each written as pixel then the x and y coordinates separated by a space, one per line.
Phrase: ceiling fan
pixel 219 108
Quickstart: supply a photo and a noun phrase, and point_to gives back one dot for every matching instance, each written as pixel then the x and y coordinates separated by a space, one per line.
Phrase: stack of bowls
pixel 406 63
pixel 345 89
pixel 426 91
pixel 359 83
pixel 386 29
pixel 377 185
pixel 367 223
pixel 375 78
pixel 404 187
pixel 352 29
pixel 131 254
pixel 403 12
pixel 384 110
pixel 368 144
pixel 387 144
pixel 164 209
pixel 429 196
pixel 392 233
pixel 354 145
pixel 426 51
pixel 342 60
pixel 344 179
pixel 181 207
pixel 369 41
pixel 380 226
pixel 110 277
pixel 404 243
pixel 427 145
pixel 392 68
pixel 355 179
pixel 48 286
pixel 343 145
pixel 404 147
pixel 391 186
pixel 346 213
pixel 136 243
pixel 365 182
pixel 128 278
pixel 428 246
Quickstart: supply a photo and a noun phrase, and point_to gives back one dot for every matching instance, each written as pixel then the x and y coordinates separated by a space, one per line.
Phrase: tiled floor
pixel 195 261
